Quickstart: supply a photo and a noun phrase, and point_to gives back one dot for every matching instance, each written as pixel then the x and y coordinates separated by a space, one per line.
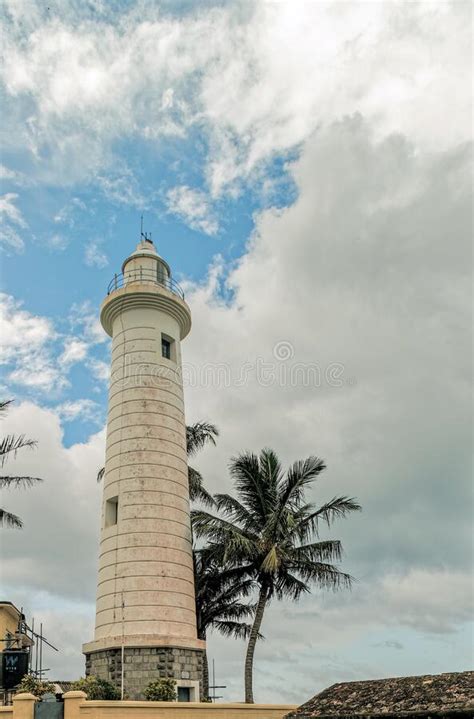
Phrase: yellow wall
pixel 9 616
pixel 76 706
pixel 181 710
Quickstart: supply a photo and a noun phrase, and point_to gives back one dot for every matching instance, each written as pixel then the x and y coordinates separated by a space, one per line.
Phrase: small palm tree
pixel 219 591
pixel 197 436
pixel 269 532
pixel 9 446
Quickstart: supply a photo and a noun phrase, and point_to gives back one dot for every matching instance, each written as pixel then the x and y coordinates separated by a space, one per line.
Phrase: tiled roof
pixel 437 695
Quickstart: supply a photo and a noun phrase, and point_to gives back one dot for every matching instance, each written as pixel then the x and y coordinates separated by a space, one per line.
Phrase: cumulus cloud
pixel 26 347
pixel 100 369
pixel 85 409
pixel 84 316
pixel 37 357
pixel 61 520
pixel 367 270
pixel 151 75
pixel 75 350
pixel 21 329
pixel 193 208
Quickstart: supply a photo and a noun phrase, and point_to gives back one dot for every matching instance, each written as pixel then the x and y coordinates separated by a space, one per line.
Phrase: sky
pixel 305 169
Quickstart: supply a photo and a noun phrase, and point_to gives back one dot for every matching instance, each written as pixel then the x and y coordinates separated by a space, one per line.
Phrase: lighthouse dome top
pixel 146 249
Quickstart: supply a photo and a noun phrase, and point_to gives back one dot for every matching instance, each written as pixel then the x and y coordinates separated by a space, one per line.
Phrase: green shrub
pixel 96 688
pixel 34 686
pixel 161 690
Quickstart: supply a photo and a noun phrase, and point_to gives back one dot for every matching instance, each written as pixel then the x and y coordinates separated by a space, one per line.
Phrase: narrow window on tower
pixel 168 348
pixel 111 511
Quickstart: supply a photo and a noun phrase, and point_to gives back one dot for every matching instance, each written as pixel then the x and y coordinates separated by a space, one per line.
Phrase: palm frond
pixel 327 551
pixel 245 470
pixel 235 511
pixel 288 585
pixel 337 508
pixel 4 405
pixel 324 574
pixel 100 474
pixel 299 475
pixel 197 490
pixel 23 482
pixel 198 435
pixel 271 475
pixel 239 630
pixel 234 542
pixel 11 444
pixel 7 519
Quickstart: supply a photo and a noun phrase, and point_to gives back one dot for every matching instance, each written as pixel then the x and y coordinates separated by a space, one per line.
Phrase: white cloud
pixel 13 176
pixel 8 210
pixel 38 373
pixel 11 238
pixel 75 350
pixel 272 73
pixel 83 409
pixel 57 242
pixel 67 214
pixel 27 348
pixel 192 207
pixel 55 553
pixel 10 215
pixel 369 269
pixel 21 331
pixel 85 316
pixel 99 369
pixel 36 356
pixel 123 189
pixel 94 256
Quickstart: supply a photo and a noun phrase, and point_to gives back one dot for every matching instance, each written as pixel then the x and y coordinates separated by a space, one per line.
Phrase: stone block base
pixel 144 664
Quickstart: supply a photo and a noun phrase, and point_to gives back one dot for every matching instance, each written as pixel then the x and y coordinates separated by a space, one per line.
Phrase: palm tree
pixel 9 446
pixel 197 436
pixel 218 601
pixel 269 532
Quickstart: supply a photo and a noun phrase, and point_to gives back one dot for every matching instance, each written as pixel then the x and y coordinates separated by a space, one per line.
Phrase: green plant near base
pixel 161 690
pixel 96 688
pixel 29 684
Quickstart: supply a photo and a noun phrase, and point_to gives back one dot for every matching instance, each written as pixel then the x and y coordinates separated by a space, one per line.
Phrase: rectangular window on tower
pixel 111 511
pixel 168 350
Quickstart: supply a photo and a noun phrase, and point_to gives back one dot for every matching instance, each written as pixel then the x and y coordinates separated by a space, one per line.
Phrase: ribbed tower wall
pixel 145 610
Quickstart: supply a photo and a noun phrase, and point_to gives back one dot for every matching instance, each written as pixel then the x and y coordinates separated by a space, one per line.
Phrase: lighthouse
pixel 145 626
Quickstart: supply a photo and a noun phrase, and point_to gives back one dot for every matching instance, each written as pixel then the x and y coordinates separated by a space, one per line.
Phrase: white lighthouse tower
pixel 145 616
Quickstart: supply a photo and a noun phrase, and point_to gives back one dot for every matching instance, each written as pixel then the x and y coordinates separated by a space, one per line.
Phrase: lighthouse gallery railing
pixel 145 276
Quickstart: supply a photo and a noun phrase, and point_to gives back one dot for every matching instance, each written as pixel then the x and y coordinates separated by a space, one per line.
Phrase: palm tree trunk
pixel 205 676
pixel 254 632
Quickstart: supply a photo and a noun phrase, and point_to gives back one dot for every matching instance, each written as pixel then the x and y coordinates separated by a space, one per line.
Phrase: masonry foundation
pixel 145 664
